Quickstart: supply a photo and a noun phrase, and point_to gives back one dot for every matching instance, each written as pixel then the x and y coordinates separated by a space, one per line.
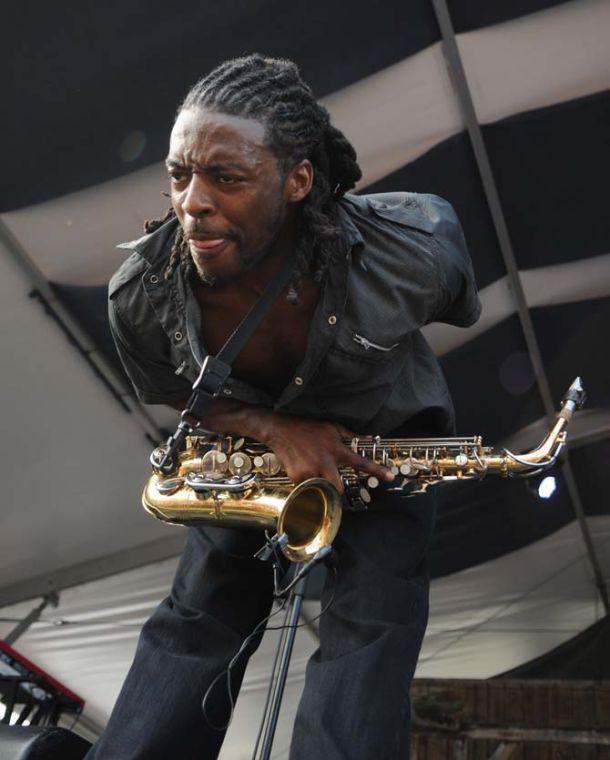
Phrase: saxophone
pixel 236 482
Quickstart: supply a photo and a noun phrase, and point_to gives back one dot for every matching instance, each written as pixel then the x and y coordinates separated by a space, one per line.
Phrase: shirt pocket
pixel 368 346
pixel 358 373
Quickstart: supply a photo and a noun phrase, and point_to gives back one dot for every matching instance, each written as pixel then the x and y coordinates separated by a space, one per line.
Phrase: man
pixel 257 173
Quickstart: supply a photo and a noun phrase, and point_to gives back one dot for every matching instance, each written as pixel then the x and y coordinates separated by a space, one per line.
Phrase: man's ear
pixel 299 181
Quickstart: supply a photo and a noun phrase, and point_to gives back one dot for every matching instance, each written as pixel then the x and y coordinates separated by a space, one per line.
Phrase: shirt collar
pixel 353 236
pixel 151 246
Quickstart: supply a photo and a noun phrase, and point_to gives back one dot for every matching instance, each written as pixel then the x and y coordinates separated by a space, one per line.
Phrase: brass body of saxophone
pixel 229 481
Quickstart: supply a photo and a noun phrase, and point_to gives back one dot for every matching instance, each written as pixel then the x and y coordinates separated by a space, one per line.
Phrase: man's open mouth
pixel 209 248
pixel 207 245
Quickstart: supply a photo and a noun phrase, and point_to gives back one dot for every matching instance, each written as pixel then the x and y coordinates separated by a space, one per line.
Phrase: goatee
pixel 246 261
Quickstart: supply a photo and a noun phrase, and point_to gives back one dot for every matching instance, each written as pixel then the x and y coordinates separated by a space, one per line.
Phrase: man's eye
pixel 177 176
pixel 224 179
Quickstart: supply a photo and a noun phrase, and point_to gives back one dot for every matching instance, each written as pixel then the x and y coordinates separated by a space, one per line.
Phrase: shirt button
pixel 178 335
pixel 227 391
pixel 332 320
pixel 298 380
pixel 154 279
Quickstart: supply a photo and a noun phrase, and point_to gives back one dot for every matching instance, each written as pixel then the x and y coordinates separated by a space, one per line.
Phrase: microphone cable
pixel 260 626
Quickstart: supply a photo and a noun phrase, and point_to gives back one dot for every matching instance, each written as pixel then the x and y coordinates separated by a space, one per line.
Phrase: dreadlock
pixel 297 127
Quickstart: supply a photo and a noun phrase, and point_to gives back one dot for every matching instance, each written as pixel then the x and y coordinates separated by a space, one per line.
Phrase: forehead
pixel 201 136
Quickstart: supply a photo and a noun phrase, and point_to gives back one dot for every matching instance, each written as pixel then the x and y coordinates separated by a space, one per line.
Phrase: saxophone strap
pixel 216 370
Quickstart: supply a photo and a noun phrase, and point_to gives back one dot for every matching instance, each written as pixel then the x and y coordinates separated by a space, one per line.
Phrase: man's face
pixel 227 191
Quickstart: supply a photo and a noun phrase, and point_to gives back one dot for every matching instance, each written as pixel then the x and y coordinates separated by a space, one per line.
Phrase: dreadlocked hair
pixel 297 127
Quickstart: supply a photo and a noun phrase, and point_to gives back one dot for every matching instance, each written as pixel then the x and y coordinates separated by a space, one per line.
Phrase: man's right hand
pixel 306 448
pixel 310 449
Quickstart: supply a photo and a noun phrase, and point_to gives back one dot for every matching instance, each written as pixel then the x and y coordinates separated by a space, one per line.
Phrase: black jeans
pixel 355 703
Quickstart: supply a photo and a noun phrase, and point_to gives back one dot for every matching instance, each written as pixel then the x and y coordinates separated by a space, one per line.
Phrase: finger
pixel 345 432
pixel 330 474
pixel 367 465
pixel 298 474
pixel 329 470
pixel 334 477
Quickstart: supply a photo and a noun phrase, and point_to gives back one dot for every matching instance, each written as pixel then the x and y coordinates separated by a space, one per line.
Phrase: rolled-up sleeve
pixel 457 300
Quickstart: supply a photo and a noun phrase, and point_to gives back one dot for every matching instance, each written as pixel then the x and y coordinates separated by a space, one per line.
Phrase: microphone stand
pixel 284 653
pixel 296 589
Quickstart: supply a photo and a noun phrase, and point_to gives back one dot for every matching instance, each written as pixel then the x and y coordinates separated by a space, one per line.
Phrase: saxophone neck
pixel 546 453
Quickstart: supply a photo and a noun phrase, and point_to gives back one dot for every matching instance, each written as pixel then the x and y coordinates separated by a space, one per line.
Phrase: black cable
pixel 255 631
pixel 271 686
pixel 323 554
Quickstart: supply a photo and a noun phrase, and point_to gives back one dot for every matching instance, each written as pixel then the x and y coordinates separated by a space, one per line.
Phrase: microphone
pixel 318 557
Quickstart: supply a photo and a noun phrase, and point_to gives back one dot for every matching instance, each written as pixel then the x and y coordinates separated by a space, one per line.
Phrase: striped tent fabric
pixel 92 93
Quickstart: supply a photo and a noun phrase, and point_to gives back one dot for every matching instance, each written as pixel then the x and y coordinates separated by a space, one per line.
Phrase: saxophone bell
pixel 308 513
pixel 310 518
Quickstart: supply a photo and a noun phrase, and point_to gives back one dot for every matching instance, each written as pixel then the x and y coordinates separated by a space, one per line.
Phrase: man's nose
pixel 199 198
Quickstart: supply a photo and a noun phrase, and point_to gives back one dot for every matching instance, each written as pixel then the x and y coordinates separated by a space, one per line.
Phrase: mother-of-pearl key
pixel 214 461
pixel 240 464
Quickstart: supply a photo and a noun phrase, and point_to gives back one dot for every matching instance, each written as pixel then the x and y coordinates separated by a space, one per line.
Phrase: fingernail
pixel 389 476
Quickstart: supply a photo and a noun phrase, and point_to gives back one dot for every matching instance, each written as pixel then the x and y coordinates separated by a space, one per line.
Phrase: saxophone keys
pixel 214 461
pixel 461 460
pixel 267 464
pixel 240 464
pixel 271 464
pixel 407 469
pixel 169 485
pixel 372 482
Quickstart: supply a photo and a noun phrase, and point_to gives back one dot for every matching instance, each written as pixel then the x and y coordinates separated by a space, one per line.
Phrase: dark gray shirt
pixel 366 365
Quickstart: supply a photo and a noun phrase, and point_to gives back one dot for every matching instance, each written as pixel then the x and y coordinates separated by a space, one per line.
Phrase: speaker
pixel 36 743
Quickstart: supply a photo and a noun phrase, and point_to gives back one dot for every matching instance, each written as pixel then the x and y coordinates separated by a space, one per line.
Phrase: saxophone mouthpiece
pixel 575 394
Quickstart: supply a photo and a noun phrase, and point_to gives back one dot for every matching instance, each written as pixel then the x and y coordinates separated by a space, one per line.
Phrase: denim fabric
pixel 355 703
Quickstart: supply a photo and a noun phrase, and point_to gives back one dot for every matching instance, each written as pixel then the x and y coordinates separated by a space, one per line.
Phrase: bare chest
pixel 270 358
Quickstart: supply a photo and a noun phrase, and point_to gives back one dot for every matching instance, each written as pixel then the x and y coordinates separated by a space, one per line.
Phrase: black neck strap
pixel 215 370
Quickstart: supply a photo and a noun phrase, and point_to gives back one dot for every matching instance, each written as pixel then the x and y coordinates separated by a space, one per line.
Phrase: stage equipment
pixel 229 481
pixel 32 695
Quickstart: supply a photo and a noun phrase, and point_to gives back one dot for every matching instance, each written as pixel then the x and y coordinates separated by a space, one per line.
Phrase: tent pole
pixel 32 617
pixel 458 78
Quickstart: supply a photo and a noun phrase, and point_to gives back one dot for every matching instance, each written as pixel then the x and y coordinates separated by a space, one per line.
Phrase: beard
pixel 245 259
